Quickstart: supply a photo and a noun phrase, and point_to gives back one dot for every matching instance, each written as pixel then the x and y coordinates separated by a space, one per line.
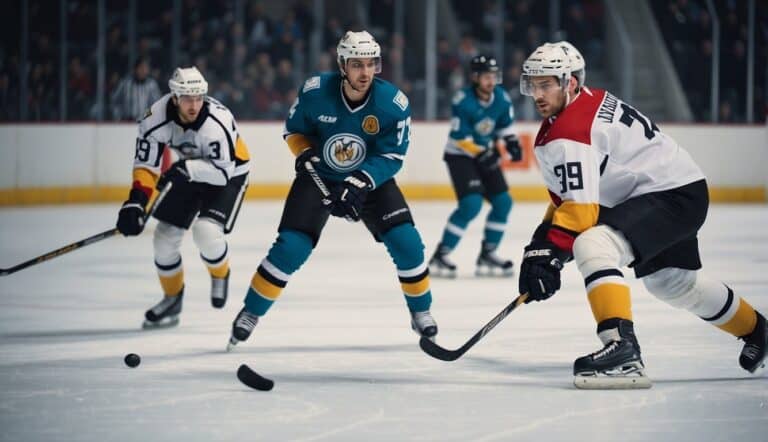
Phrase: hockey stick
pixel 444 354
pixel 83 242
pixel 319 183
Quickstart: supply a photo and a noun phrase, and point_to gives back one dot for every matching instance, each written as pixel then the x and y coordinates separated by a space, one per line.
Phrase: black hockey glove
pixel 540 270
pixel 514 149
pixel 130 220
pixel 302 158
pixel 488 160
pixel 176 174
pixel 352 195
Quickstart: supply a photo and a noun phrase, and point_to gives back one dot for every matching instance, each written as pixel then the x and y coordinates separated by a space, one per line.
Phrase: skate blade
pixel 231 344
pixel 487 272
pixel 611 382
pixel 167 322
pixel 436 272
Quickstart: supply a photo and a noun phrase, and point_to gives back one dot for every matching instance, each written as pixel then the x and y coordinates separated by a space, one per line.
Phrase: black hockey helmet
pixel 483 63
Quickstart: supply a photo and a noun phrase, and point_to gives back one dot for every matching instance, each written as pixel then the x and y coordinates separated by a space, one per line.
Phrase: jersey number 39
pixel 570 176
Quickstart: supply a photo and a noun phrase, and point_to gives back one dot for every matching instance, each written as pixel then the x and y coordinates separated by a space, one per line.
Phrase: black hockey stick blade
pixel 253 379
pixel 83 242
pixel 445 354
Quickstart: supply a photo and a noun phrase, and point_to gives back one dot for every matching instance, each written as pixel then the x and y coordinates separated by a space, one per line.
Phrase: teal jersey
pixel 371 138
pixel 477 121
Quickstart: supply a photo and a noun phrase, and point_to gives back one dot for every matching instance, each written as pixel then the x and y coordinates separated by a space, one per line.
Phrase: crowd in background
pixel 255 63
pixel 687 29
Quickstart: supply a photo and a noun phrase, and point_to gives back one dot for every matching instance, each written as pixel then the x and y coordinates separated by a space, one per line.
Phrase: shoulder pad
pixel 458 97
pixel 401 100
pixel 311 83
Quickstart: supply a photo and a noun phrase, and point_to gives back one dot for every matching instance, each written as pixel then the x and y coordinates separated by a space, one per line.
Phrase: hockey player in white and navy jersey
pixel 623 193
pixel 207 185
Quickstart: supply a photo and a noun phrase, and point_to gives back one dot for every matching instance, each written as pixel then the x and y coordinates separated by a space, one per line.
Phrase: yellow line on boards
pixel 84 194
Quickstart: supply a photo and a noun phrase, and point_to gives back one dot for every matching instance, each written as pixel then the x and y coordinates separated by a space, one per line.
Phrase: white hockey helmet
pixel 357 45
pixel 187 81
pixel 578 65
pixel 547 60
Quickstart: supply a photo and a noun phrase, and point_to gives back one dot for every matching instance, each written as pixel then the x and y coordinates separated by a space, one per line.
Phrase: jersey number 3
pixel 570 176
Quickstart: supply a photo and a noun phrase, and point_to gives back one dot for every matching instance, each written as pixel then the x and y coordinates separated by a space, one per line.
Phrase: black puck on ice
pixel 253 379
pixel 132 360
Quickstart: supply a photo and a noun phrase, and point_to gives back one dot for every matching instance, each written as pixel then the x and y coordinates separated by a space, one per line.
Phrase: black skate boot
pixel 617 365
pixel 440 266
pixel 165 313
pixel 489 264
pixel 754 351
pixel 424 324
pixel 242 327
pixel 219 291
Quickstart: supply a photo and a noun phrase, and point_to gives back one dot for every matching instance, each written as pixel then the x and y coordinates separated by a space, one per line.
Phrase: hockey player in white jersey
pixel 622 194
pixel 208 183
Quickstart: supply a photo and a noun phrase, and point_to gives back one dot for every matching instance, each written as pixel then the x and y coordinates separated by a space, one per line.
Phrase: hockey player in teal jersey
pixel 349 131
pixel 482 118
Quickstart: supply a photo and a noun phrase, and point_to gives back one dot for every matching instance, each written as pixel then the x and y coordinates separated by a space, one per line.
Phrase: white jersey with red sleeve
pixel 600 151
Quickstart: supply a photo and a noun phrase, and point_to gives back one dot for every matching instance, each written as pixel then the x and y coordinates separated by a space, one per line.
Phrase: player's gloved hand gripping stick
pixel 444 354
pixel 83 242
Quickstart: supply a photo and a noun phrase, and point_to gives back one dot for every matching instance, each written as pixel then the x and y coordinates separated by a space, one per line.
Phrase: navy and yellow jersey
pixel 214 151
pixel 372 138
pixel 475 124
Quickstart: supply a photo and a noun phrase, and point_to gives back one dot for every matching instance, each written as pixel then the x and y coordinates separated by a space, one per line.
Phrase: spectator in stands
pixel 135 93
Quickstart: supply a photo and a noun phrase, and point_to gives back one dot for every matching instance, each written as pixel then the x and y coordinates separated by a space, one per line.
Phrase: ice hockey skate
pixel 424 324
pixel 617 365
pixel 489 264
pixel 242 327
pixel 165 313
pixel 219 291
pixel 755 344
pixel 440 266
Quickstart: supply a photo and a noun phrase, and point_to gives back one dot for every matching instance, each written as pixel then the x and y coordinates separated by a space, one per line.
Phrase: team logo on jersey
pixel 371 125
pixel 344 152
pixel 188 149
pixel 485 126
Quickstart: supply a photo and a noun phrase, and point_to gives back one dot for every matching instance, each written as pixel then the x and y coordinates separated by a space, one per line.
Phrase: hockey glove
pixel 514 149
pixel 540 270
pixel 176 174
pixel 130 220
pixel 488 160
pixel 354 191
pixel 303 157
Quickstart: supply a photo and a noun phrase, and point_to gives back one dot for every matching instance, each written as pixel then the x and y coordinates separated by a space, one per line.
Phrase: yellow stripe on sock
pixel 219 271
pixel 264 287
pixel 610 301
pixel 173 284
pixel 416 288
pixel 743 321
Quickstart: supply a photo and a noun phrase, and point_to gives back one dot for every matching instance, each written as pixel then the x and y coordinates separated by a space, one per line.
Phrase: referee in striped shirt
pixel 135 93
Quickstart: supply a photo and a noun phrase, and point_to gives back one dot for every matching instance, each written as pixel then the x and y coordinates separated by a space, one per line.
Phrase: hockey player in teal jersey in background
pixel 353 129
pixel 482 116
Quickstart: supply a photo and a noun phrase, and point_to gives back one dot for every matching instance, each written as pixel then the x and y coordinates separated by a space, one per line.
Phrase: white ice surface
pixel 339 346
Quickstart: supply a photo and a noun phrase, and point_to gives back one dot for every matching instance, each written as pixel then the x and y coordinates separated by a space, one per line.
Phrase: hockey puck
pixel 253 379
pixel 132 360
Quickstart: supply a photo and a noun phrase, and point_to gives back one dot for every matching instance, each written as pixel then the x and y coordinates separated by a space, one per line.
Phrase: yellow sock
pixel 610 300
pixel 219 271
pixel 172 284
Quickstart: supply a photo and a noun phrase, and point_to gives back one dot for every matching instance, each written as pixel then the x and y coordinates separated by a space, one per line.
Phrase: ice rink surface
pixel 339 347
